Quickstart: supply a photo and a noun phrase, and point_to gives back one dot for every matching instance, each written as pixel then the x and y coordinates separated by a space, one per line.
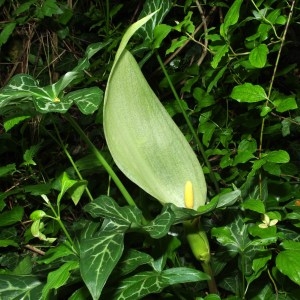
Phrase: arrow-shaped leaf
pixel 99 256
pixel 106 207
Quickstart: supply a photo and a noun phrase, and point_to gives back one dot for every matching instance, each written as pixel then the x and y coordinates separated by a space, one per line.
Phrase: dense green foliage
pixel 227 72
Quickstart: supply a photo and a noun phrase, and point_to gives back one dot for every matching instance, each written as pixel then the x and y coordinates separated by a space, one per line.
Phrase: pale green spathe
pixel 144 141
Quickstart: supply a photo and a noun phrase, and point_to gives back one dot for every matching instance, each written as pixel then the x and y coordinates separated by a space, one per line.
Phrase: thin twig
pixel 34 249
pixel 270 89
pixel 177 51
pixel 204 51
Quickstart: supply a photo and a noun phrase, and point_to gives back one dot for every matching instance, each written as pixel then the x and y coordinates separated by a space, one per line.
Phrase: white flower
pixel 266 222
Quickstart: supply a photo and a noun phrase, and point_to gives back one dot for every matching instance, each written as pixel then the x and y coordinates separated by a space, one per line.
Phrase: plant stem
pixel 102 160
pixel 198 142
pixel 212 286
pixel 107 17
pixel 62 145
pixel 57 218
pixel 199 244
pixel 271 87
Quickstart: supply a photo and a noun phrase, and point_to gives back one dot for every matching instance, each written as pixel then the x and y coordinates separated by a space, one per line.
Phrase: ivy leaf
pixel 234 236
pixel 107 207
pixel 161 7
pixel 20 287
pixel 87 100
pixel 99 255
pixel 160 226
pixel 145 283
pixel 248 92
pixel 131 260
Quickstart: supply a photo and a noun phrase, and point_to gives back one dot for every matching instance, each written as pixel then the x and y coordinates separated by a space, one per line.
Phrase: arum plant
pixel 147 145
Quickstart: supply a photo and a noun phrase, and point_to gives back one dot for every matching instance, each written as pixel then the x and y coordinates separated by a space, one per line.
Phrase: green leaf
pixel 207 129
pixel 182 214
pixel 242 157
pixel 20 287
pixel 288 262
pixel 220 52
pixel 212 297
pixel 37 215
pixel 285 104
pixel 80 294
pixel 160 226
pixel 131 260
pixel 74 187
pixel 258 56
pixel 160 8
pixel 254 205
pixel 228 198
pixel 107 207
pixel 248 92
pixel 186 25
pixel 18 87
pixel 145 283
pixel 24 266
pixel 279 156
pixel 203 98
pixel 36 230
pixel 259 264
pixel 47 9
pixel 91 50
pixel 177 43
pixel 144 141
pixel 13 121
pixel 6 32
pixel 62 250
pixel 231 18
pixel 23 7
pixel 173 107
pixel 12 216
pixel 8 243
pixel 87 100
pixel 99 256
pixel 160 33
pixel 128 34
pixel 8 169
pixel 264 233
pixel 45 99
pixel 63 82
pixel 272 168
pixel 216 78
pixel 233 236
pixel 29 155
pixel 59 277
